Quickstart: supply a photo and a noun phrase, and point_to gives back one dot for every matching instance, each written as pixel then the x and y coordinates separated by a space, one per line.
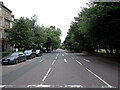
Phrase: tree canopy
pixel 26 34
pixel 96 27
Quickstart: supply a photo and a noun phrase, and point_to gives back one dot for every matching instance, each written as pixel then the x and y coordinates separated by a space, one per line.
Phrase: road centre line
pixel 46 75
pixel 65 60
pixel 53 62
pixel 99 78
pixel 79 62
pixel 56 57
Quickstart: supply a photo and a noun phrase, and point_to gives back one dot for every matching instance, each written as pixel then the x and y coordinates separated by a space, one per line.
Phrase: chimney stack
pixel 1 3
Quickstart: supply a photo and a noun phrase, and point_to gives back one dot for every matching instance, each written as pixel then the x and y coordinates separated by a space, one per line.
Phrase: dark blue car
pixel 14 58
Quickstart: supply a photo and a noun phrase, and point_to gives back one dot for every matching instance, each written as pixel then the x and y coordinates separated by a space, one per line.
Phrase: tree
pixel 96 27
pixel 20 36
pixel 53 38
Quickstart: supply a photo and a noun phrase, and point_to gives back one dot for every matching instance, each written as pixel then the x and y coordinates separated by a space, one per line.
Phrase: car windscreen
pixel 14 54
pixel 27 52
pixel 37 51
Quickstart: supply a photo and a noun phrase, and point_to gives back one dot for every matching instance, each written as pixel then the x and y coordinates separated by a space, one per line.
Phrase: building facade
pixel 6 22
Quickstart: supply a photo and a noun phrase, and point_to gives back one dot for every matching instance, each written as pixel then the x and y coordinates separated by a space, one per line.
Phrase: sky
pixel 58 13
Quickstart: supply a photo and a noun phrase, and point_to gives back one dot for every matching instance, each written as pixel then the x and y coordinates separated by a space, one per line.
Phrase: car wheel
pixel 17 61
pixel 33 56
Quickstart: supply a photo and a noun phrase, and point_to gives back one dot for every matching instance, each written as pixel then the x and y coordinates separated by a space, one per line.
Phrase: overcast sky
pixel 59 13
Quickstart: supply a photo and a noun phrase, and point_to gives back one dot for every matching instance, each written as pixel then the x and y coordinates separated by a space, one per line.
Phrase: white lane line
pixel 56 57
pixel 39 85
pixel 79 62
pixel 74 86
pixel 99 78
pixel 86 60
pixel 1 86
pixel 57 54
pixel 65 60
pixel 46 75
pixel 53 62
pixel 41 61
pixel 62 54
pixel 54 86
pixel 72 57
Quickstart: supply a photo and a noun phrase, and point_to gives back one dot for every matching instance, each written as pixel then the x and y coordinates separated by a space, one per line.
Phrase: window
pixel 7 14
pixel 5 34
pixel 0 34
pixel 0 11
pixel 0 21
pixel 7 25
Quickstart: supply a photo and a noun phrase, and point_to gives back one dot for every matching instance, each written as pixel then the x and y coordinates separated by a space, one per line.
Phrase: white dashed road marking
pixel 53 62
pixel 46 75
pixel 72 57
pixel 57 54
pixel 99 78
pixel 65 60
pixel 86 60
pixel 56 57
pixel 79 62
pixel 62 54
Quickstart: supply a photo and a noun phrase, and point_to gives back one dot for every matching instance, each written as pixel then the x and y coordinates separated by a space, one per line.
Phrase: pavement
pixel 61 69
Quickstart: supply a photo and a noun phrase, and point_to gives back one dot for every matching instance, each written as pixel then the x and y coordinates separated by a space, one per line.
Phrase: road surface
pixel 62 69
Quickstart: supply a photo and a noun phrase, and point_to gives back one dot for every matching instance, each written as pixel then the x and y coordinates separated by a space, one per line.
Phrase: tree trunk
pixel 111 50
pixel 117 51
pixel 106 50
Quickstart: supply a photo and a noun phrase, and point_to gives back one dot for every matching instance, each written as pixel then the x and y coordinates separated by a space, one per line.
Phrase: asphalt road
pixel 62 69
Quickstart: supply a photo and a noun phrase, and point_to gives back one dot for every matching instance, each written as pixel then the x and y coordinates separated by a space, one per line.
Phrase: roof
pixel 6 8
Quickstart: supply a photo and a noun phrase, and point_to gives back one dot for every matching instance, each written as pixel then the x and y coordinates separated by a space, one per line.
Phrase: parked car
pixel 29 53
pixel 14 58
pixel 38 53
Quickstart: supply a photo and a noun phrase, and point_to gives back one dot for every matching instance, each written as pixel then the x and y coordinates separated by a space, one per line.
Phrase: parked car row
pixel 17 57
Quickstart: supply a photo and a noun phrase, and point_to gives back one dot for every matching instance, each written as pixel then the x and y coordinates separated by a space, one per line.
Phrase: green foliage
pixel 20 36
pixel 6 53
pixel 96 27
pixel 9 51
pixel 26 34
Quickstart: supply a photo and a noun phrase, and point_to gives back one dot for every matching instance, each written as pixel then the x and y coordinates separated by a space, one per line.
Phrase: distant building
pixel 6 22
